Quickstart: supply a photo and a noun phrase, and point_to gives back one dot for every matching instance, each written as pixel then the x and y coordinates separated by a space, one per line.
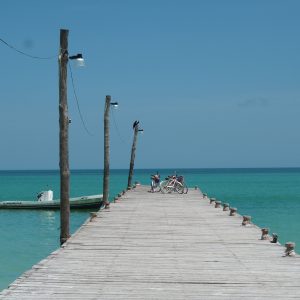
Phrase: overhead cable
pixel 117 129
pixel 77 103
pixel 24 53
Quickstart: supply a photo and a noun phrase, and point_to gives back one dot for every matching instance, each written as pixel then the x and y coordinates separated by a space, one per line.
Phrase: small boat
pixel 45 201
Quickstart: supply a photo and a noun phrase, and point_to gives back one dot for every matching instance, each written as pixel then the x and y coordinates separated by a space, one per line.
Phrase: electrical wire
pixel 77 103
pixel 51 57
pixel 117 129
pixel 73 86
pixel 26 54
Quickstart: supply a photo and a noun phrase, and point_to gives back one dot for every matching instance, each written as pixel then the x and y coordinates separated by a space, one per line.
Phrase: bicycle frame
pixel 172 185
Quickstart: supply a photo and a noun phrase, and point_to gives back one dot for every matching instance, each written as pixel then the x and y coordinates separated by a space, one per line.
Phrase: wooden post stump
pixel 218 204
pixel 274 238
pixel 290 249
pixel 92 215
pixel 265 234
pixel 226 206
pixel 233 211
pixel 246 220
pixel 212 200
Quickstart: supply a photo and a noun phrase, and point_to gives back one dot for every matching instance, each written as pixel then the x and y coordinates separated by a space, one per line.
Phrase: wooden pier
pixel 163 246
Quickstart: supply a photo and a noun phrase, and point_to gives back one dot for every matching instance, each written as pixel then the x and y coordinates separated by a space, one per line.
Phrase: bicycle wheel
pixel 185 189
pixel 169 189
pixel 157 188
pixel 179 188
pixel 165 188
pixel 163 184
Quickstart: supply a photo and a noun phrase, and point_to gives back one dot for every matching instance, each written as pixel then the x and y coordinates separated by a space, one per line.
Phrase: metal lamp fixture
pixel 114 104
pixel 79 59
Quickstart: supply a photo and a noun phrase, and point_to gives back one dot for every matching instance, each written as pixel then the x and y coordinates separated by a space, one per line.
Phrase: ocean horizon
pixel 165 168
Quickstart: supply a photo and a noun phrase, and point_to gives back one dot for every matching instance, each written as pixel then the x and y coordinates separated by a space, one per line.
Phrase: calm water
pixel 270 196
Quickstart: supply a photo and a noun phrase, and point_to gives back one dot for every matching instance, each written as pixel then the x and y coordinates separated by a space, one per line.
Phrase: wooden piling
pixel 218 204
pixel 290 249
pixel 246 220
pixel 274 238
pixel 106 152
pixel 265 234
pixel 133 149
pixel 225 206
pixel 63 139
pixel 93 215
pixel 233 211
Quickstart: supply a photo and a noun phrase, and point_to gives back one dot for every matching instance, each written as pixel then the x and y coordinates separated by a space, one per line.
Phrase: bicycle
pixel 185 188
pixel 173 183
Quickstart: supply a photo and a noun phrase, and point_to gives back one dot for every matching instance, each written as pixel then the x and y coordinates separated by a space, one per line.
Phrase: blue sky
pixel 213 83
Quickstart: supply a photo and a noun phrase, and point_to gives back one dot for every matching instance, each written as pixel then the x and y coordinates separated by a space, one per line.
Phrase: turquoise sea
pixel 270 196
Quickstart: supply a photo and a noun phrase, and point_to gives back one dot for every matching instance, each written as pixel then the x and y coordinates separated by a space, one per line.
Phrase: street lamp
pixel 108 104
pixel 64 122
pixel 136 129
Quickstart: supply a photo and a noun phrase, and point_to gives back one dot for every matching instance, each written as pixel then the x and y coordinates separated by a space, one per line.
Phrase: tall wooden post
pixel 63 139
pixel 106 152
pixel 133 148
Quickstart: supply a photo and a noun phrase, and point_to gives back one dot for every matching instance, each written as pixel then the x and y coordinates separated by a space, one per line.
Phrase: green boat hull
pixel 94 201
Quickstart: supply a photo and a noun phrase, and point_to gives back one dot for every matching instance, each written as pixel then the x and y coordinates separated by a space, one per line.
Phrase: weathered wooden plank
pixel 158 246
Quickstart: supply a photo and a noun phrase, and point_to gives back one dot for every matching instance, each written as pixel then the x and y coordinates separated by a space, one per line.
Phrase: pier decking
pixel 158 246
